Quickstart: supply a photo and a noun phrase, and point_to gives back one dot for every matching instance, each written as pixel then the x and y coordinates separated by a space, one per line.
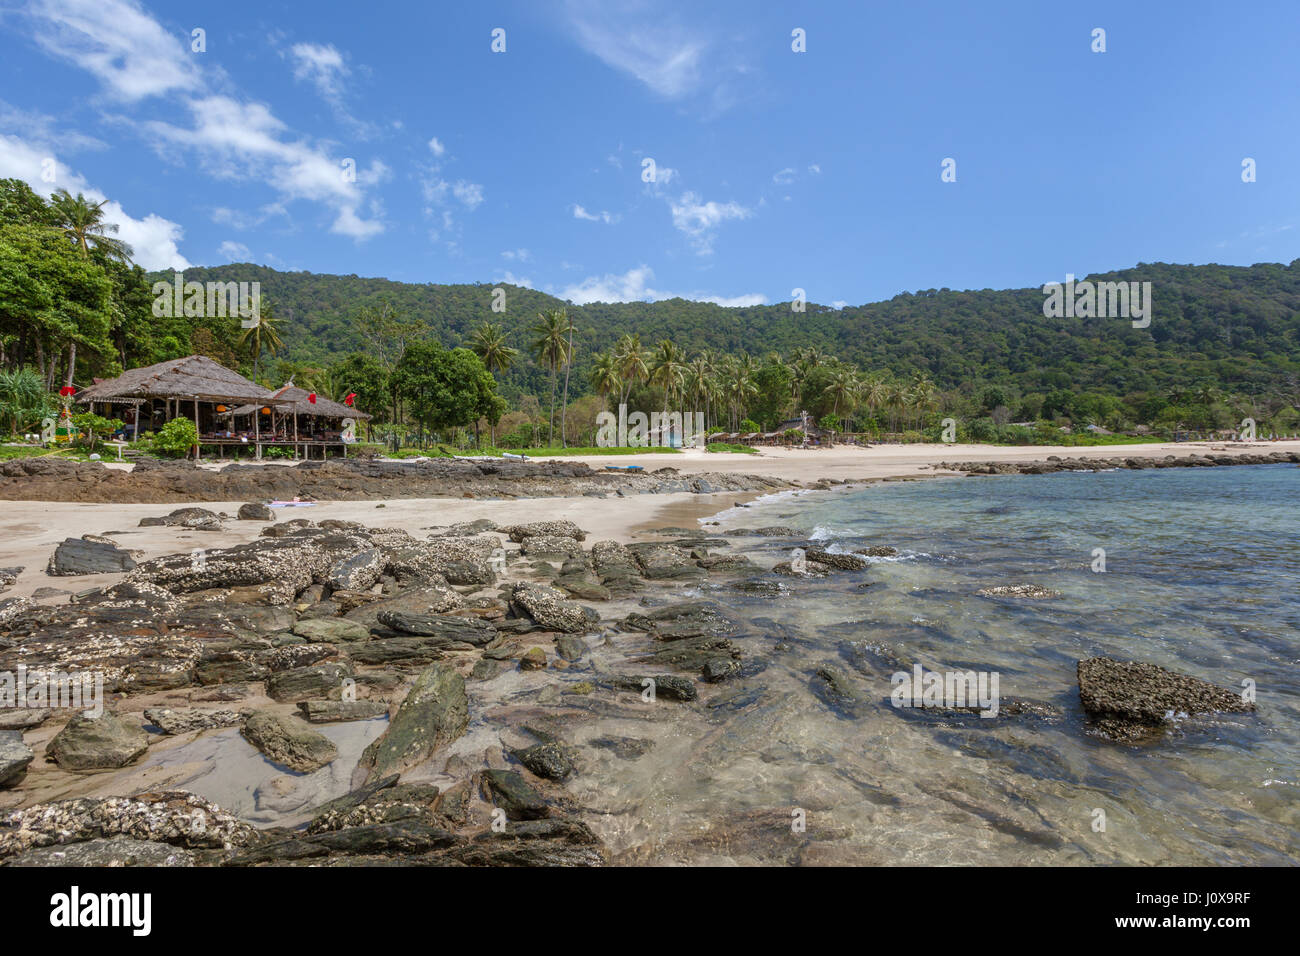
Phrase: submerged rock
pixel 434 713
pixel 1035 591
pixel 1129 700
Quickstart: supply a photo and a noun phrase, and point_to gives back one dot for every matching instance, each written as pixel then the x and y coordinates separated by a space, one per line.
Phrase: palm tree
pixel 604 374
pixel 83 222
pixel 489 344
pixel 262 335
pixel 699 383
pixel 843 381
pixel 551 349
pixel 568 367
pixel 631 359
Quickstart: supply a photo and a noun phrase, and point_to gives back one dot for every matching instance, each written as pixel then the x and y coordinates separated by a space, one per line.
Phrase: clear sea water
pixel 1200 577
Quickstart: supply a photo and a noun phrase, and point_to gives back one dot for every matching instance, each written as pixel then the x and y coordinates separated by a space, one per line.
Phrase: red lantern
pixel 67 390
pixel 266 411
pixel 352 397
pixel 312 398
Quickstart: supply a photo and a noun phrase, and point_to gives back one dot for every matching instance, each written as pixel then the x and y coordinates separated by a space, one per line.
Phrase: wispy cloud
pixel 640 41
pixel 320 64
pixel 699 220
pixel 604 216
pixel 634 286
pixel 233 251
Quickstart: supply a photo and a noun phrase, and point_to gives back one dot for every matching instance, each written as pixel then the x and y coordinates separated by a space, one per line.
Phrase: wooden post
pixel 257 431
pixel 198 443
pixel 295 434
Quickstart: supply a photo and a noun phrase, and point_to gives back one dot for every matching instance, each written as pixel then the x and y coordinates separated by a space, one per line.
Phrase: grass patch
pixel 724 447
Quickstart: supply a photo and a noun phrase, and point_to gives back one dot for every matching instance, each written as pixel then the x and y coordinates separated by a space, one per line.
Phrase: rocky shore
pixel 317 625
pixel 1056 463
pixel 41 479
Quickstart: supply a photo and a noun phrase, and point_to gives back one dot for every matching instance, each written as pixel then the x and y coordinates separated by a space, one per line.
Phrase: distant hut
pixel 303 419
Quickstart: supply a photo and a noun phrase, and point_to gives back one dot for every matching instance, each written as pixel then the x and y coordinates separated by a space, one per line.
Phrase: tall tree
pixel 551 349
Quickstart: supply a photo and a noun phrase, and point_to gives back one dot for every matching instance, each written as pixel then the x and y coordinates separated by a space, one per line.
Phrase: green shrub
pixel 94 427
pixel 176 438
pixel 749 425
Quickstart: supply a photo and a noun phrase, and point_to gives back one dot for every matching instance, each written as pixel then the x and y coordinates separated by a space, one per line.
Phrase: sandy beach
pixel 29 531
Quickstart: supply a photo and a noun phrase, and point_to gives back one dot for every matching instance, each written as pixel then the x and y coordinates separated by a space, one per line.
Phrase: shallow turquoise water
pixel 1200 577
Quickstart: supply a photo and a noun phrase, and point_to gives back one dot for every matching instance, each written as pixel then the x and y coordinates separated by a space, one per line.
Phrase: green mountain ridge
pixel 1234 327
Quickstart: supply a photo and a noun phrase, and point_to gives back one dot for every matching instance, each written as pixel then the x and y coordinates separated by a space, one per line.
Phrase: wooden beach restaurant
pixel 228 410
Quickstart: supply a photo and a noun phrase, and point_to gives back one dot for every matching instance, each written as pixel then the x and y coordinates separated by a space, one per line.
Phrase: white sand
pixel 30 531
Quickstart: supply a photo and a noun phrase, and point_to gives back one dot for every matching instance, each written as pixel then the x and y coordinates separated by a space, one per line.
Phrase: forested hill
pixel 1236 328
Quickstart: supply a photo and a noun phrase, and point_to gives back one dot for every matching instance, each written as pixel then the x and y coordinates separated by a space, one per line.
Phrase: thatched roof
pixel 290 398
pixel 195 376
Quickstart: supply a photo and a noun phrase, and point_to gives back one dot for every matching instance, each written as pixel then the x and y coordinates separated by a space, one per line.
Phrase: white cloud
pixel 603 216
pixel 815 169
pixel 471 194
pixel 233 251
pixel 134 57
pixel 320 64
pixel 699 220
pixel 245 141
pixel 512 279
pixel 663 56
pixel 784 176
pixel 435 145
pixel 116 40
pixel 517 255
pixel 838 304
pixel 153 239
pixel 633 286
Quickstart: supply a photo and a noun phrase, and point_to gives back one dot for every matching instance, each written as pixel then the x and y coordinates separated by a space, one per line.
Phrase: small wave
pixel 824 533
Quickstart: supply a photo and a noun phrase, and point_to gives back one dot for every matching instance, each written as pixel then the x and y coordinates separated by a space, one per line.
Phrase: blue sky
pixel 775 170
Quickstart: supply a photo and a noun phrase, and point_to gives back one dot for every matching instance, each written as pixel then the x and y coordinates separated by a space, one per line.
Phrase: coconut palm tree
pixel 699 384
pixel 605 378
pixel 82 221
pixel 568 367
pixel 550 348
pixel 631 360
pixel 843 381
pixel 489 343
pixel 263 335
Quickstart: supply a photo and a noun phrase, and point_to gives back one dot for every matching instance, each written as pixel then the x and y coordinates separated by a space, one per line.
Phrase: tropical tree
pixel 631 360
pixel 605 378
pixel 550 348
pixel 82 221
pixel 489 343
pixel 263 335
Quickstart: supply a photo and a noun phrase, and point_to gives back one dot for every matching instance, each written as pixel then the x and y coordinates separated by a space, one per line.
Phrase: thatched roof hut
pixel 290 399
pixel 193 377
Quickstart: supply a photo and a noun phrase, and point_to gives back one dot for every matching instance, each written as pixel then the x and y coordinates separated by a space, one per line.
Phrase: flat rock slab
pixel 1128 700
pixel 97 743
pixel 289 741
pixel 117 851
pixel 76 556
pixel 334 711
pixel 184 721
